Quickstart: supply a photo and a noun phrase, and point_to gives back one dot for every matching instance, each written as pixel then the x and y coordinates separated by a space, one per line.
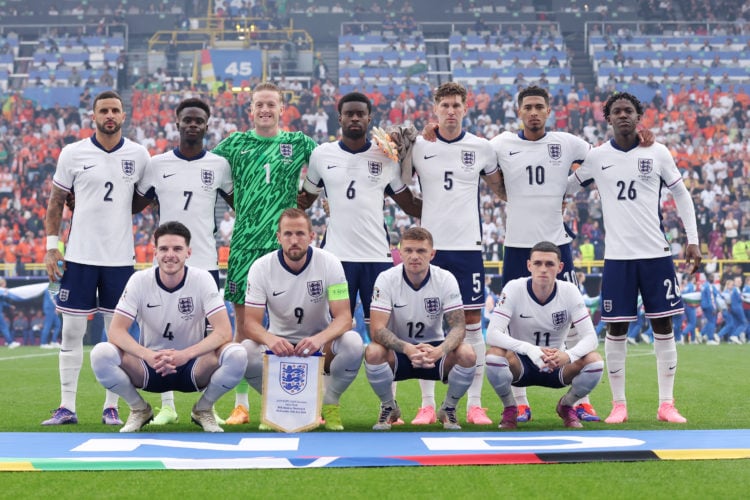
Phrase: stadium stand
pixel 698 108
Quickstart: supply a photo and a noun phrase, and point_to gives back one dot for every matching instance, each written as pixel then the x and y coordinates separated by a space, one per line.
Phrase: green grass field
pixel 712 391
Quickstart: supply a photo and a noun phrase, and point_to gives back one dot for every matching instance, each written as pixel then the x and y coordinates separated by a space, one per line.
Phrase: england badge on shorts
pixel 607 305
pixel 128 167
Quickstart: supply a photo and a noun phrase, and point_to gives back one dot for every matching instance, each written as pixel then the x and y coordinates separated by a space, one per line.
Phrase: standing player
pixel 449 170
pixel 637 256
pixel 356 175
pixel 408 306
pixel 266 163
pixel 172 304
pixel 535 165
pixel 102 171
pixel 186 182
pixel 527 333
pixel 710 310
pixel 690 314
pixel 305 293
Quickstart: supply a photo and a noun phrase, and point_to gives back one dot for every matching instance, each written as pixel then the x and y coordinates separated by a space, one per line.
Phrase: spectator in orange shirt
pixel 9 256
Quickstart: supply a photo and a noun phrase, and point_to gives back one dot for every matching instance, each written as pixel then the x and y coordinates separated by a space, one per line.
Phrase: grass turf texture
pixel 712 388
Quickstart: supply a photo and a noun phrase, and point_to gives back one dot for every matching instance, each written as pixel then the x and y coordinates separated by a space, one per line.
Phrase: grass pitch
pixel 712 390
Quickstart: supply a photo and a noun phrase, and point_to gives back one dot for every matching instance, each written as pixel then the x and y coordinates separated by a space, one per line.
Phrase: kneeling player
pixel 172 303
pixel 406 326
pixel 526 335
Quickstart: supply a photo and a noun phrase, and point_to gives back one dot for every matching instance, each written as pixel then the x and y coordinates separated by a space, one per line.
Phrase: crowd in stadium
pixel 704 124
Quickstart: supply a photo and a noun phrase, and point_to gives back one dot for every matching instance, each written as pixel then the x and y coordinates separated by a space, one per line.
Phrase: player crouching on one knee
pixel 526 335
pixel 172 303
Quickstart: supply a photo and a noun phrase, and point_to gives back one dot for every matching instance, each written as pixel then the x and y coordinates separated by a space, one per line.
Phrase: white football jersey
pixel 449 174
pixel 298 303
pixel 170 319
pixel 536 177
pixel 187 191
pixel 519 313
pixel 416 314
pixel 355 183
pixel 101 231
pixel 629 183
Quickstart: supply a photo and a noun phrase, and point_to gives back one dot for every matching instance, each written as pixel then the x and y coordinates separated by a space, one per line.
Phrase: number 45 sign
pixel 237 64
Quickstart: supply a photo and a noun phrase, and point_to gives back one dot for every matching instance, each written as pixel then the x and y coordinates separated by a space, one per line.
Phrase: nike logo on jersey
pixel 511 153
pixel 526 317
pixel 276 294
pixel 605 167
pixel 245 151
pixel 399 305
pixel 428 157
pixel 152 305
pixel 332 166
pixel 167 175
pixel 86 167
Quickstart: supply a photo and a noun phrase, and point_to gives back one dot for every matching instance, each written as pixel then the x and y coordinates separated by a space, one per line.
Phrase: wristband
pixel 52 242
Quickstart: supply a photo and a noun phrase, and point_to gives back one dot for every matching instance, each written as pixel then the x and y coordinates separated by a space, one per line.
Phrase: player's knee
pixel 375 354
pixel 234 357
pixel 104 357
pixel 349 345
pixel 465 356
pixel 254 355
pixel 617 329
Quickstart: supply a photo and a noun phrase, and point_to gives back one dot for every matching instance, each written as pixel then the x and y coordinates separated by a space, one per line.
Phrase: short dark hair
pixel 355 97
pixel 533 90
pixel 546 246
pixel 107 94
pixel 622 95
pixel 417 234
pixel 172 227
pixel 295 213
pixel 193 102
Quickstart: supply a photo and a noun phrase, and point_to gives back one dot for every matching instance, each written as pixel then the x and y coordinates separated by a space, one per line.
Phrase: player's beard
pixel 102 128
pixel 295 254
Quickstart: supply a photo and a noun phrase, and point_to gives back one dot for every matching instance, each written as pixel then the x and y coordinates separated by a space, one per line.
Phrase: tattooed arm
pixel 52 226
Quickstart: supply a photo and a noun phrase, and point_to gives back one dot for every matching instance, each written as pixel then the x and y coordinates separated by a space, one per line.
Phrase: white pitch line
pixel 40 355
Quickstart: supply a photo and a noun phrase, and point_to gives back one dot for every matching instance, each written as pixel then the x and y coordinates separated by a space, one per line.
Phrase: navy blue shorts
pixel 468 268
pixel 83 284
pixel 404 370
pixel 360 276
pixel 534 376
pixel 515 259
pixel 182 380
pixel 654 279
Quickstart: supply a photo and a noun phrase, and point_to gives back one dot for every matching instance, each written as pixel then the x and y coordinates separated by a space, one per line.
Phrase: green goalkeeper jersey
pixel 266 174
